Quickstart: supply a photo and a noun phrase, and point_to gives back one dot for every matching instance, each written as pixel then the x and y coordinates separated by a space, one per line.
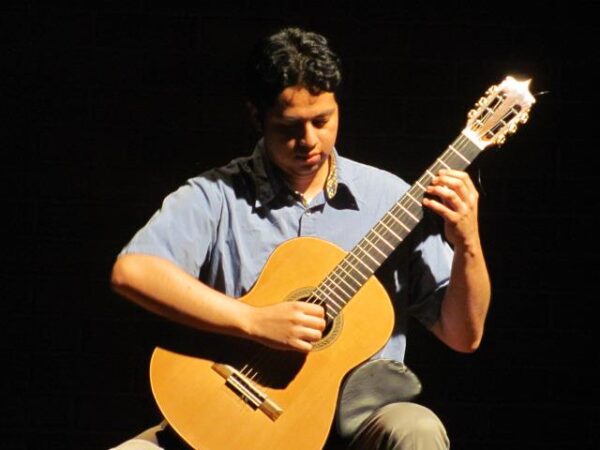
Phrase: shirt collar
pixel 268 182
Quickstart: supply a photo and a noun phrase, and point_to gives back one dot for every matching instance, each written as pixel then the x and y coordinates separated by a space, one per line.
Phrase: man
pixel 209 241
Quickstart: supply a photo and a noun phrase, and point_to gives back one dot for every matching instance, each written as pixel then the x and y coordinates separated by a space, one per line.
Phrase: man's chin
pixel 310 167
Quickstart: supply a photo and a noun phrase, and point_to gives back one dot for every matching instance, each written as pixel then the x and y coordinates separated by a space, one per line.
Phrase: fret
pixel 459 154
pixel 392 247
pixel 336 285
pixel 332 312
pixel 410 202
pixel 371 270
pixel 398 220
pixel 347 261
pixel 443 163
pixel 328 299
pixel 390 231
pixel 343 280
pixel 374 247
pixel 416 219
pixel 468 148
pixel 331 305
pixel 423 188
pixel 342 268
pixel 409 195
pixel 317 297
pixel 369 254
pixel 355 269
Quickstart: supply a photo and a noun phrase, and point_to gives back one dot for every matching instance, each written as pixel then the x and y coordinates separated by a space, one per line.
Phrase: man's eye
pixel 286 127
pixel 319 123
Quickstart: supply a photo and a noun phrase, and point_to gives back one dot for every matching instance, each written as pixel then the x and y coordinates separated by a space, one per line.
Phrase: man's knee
pixel 414 426
pixel 403 426
pixel 137 444
pixel 146 440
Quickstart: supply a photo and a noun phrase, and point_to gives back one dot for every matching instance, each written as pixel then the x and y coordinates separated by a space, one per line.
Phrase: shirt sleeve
pixel 429 271
pixel 183 230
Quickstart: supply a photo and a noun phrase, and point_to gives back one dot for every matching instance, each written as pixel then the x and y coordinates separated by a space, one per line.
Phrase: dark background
pixel 108 107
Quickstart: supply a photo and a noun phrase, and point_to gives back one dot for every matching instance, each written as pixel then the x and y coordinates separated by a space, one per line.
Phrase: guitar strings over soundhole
pixel 334 323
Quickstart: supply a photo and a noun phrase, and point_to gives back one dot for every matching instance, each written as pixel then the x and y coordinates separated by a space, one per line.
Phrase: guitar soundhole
pixel 334 323
pixel 329 324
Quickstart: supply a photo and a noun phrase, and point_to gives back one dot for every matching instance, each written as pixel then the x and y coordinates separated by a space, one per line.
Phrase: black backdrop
pixel 109 106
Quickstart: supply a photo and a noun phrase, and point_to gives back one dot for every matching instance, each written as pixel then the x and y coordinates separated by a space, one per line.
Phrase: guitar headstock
pixel 499 112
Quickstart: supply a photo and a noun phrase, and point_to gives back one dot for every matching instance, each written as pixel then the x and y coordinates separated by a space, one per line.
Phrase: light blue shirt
pixel 222 226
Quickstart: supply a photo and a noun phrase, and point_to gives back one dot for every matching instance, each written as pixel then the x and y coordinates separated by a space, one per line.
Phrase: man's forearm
pixel 163 288
pixel 466 301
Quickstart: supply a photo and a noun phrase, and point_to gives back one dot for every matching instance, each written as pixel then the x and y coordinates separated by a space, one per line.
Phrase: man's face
pixel 300 131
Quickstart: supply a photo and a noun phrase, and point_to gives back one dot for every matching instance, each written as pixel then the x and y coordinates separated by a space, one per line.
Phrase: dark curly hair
pixel 290 57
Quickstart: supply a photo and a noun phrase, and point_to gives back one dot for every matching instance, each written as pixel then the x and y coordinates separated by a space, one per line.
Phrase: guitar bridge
pixel 247 391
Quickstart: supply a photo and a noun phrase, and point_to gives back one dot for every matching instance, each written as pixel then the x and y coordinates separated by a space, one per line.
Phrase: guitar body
pixel 232 394
pixel 209 412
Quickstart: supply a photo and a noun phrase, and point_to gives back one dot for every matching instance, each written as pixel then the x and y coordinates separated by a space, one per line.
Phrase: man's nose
pixel 308 136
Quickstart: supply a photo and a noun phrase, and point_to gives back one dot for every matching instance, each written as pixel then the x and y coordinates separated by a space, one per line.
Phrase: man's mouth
pixel 310 157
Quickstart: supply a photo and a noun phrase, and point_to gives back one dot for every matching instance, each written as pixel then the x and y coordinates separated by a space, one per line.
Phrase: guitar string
pixel 373 238
pixel 425 180
pixel 333 286
pixel 429 173
pixel 249 369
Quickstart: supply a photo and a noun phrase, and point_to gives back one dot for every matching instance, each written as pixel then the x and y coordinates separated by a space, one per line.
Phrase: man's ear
pixel 254 116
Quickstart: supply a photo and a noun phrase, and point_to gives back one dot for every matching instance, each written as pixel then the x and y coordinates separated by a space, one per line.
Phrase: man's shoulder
pixel 222 176
pixel 361 174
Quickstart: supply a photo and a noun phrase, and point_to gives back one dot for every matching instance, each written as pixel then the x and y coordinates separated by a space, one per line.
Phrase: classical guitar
pixel 230 393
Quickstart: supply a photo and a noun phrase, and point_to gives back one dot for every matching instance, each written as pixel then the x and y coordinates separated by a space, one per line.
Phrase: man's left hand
pixel 456 200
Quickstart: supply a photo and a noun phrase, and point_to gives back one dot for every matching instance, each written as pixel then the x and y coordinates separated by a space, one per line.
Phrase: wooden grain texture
pixel 207 414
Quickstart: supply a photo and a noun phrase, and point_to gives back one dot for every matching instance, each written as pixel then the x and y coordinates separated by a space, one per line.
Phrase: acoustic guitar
pixel 235 394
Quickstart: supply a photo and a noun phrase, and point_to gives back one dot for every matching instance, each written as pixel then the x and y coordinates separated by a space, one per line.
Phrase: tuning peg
pixel 512 128
pixel 500 139
pixel 472 113
pixel 524 117
pixel 482 101
pixel 492 90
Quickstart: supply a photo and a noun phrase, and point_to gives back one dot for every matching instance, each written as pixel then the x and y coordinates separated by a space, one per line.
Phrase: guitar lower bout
pixel 231 393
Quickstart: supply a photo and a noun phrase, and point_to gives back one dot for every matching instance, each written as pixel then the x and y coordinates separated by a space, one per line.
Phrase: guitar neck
pixel 344 281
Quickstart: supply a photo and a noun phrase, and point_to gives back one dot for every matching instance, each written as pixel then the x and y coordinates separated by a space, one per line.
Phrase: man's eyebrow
pixel 322 115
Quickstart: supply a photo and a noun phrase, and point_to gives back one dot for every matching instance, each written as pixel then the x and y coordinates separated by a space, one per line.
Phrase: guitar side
pixel 210 413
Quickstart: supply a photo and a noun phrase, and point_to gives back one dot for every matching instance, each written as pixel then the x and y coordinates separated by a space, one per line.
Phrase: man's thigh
pixel 400 426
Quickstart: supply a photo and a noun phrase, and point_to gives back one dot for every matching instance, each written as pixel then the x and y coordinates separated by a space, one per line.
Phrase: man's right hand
pixel 288 325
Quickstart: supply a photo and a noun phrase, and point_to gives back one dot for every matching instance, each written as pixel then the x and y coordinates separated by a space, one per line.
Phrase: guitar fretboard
pixel 344 281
